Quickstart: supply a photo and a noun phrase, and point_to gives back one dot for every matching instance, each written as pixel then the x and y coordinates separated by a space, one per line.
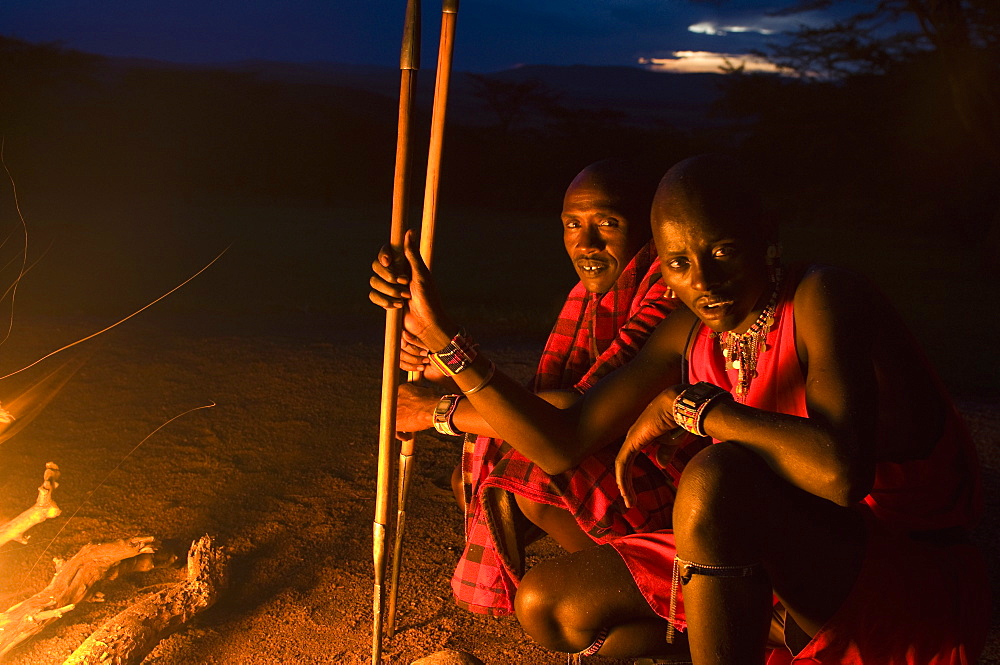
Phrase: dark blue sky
pixel 492 35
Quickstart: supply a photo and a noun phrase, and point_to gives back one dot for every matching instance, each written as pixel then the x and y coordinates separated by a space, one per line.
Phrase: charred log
pixel 133 633
pixel 72 584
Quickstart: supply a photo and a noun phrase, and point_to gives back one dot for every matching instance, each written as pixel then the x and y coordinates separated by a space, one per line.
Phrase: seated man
pixel 835 500
pixel 607 316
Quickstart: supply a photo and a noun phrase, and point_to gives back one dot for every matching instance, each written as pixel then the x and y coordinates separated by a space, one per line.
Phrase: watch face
pixel 698 392
pixel 442 406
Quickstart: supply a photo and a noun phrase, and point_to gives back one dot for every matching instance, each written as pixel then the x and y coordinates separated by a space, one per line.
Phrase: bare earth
pixel 281 470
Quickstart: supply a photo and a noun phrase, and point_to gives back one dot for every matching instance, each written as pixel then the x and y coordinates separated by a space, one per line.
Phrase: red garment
pixel 941 586
pixel 914 603
pixel 941 491
pixel 597 332
pixel 594 334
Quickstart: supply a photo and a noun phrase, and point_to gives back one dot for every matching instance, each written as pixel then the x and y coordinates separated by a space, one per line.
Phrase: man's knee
pixel 531 599
pixel 722 492
pixel 535 606
pixel 721 473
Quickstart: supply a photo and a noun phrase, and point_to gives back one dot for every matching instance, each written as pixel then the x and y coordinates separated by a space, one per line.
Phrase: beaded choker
pixel 741 349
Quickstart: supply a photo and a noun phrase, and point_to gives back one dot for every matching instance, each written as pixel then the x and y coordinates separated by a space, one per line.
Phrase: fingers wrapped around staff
pixel 415 406
pixel 413 356
pixel 656 420
pixel 400 280
pixel 390 281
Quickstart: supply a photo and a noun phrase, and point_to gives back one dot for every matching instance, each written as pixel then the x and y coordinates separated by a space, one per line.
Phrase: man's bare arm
pixel 830 453
pixel 555 439
pixel 415 410
pixel 467 419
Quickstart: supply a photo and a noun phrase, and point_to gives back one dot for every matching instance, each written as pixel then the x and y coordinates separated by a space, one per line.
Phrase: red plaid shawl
pixel 593 335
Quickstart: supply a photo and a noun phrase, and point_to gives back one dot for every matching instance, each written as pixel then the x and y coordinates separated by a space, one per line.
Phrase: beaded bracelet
pixel 690 407
pixel 457 356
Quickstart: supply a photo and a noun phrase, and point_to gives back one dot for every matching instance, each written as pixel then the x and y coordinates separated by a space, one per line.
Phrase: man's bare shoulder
pixel 836 308
pixel 826 288
pixel 671 335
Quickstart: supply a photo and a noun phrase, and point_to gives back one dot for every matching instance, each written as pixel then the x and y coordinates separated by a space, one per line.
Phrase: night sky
pixel 491 35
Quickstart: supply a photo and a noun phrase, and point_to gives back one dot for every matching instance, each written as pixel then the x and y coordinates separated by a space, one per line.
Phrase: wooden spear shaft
pixel 409 60
pixel 446 48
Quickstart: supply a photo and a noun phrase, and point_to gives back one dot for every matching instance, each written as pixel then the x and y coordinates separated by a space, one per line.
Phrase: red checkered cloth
pixel 594 334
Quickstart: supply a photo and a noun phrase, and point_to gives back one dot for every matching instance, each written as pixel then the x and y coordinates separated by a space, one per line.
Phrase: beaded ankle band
pixel 577 658
pixel 684 570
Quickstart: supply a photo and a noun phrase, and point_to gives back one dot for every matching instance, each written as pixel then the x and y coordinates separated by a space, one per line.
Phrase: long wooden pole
pixel 409 61
pixel 446 47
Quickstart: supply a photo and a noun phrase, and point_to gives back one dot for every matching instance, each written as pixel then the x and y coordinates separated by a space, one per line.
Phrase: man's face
pixel 599 238
pixel 716 267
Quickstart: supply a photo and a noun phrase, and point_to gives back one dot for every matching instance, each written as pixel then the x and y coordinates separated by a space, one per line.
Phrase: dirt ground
pixel 281 471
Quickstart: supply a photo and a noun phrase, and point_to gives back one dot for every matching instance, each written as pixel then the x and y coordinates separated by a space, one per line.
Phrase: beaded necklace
pixel 741 349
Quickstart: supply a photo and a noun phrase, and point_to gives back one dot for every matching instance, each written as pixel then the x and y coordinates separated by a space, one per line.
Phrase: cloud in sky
pixel 691 62
pixel 713 28
pixel 759 23
pixel 492 34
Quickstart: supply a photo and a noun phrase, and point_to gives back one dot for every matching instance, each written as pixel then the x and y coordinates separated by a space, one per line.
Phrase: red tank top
pixel 941 491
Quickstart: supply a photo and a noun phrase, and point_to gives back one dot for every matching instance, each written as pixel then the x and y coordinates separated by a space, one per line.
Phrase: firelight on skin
pixel 708 270
pixel 710 251
pixel 596 232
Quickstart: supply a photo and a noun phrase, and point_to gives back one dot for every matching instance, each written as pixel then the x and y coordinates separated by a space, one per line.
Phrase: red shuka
pixel 594 334
pixel 914 603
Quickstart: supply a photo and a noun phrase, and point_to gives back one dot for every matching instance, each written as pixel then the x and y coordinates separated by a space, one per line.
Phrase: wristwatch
pixel 691 405
pixel 443 412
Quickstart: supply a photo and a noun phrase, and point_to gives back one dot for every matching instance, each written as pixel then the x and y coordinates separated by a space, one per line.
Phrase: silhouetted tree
pixel 964 34
pixel 512 101
pixel 953 41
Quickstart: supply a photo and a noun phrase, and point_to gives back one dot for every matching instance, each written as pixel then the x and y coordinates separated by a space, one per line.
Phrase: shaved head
pixel 630 187
pixel 711 186
pixel 605 220
pixel 710 235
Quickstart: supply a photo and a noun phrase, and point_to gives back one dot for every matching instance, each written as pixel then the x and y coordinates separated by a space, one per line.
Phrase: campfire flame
pixel 18 412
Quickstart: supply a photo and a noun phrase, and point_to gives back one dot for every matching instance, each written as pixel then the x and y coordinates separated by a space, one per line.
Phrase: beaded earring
pixel 773 261
pixel 670 295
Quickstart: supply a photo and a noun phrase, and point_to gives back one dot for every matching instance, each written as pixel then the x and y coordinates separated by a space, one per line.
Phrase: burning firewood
pixel 73 583
pixel 131 635
pixel 45 508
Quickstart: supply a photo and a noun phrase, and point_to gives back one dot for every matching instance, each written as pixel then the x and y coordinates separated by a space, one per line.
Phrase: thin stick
pixel 100 484
pixel 45 508
pixel 449 14
pixel 119 322
pixel 409 60
pixel 24 250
